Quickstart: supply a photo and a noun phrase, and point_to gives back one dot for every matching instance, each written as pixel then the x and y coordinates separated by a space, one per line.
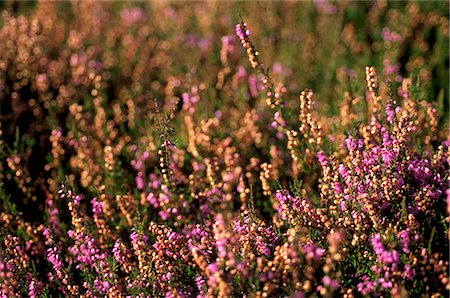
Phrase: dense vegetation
pixel 172 149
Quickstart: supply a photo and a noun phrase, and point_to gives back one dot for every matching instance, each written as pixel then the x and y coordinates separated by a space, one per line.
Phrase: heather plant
pixel 132 169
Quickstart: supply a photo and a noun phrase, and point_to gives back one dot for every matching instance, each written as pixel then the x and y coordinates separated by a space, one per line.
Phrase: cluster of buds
pixel 347 113
pixel 127 206
pixel 57 150
pixel 371 79
pixel 273 96
pixel 76 218
pixel 131 116
pixel 142 253
pixel 12 261
pixel 211 169
pixel 243 33
pixel 255 235
pixel 228 47
pixel 265 176
pixel 279 92
pixel 123 256
pixel 100 221
pixel 292 145
pixel 21 173
pixel 248 126
pixel 309 128
pixel 372 86
pixel 244 193
pixel 164 162
pixel 192 146
pixel 109 158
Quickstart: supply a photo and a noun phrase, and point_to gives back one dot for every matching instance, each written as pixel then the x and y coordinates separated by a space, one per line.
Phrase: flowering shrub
pixel 234 181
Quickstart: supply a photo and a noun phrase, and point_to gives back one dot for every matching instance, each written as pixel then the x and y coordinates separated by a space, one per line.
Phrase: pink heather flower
pixel 284 199
pixel 154 181
pixel 170 12
pixel 325 7
pixel 34 288
pixel 239 31
pixel 241 72
pixel 264 238
pixel 390 68
pixel 151 198
pixel 97 206
pixel 190 99
pixel 326 280
pixel 366 286
pixel 322 159
pixel 277 68
pixel 253 86
pixel 139 181
pixel 221 245
pixel 279 135
pixel 53 213
pixel 168 144
pixel 132 15
pixel 329 282
pixel 387 153
pixel 137 165
pixel 229 41
pixel 242 32
pixel 145 155
pixel 213 268
pixel 74 144
pixel 344 72
pixel 343 171
pixel 409 272
pixel 351 143
pixel 390 113
pixel 204 43
pixel 54 259
pixel 377 244
pixel 134 236
pixel 337 188
pixel 387 257
pixel 404 235
pixel 200 282
pixel 313 252
pixel 77 199
pixel 116 251
pixel 42 82
pixel 102 286
pixel 336 237
pixel 278 121
pixel 403 92
pixel 163 214
pixel 385 284
pixel 390 36
pixel 87 253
